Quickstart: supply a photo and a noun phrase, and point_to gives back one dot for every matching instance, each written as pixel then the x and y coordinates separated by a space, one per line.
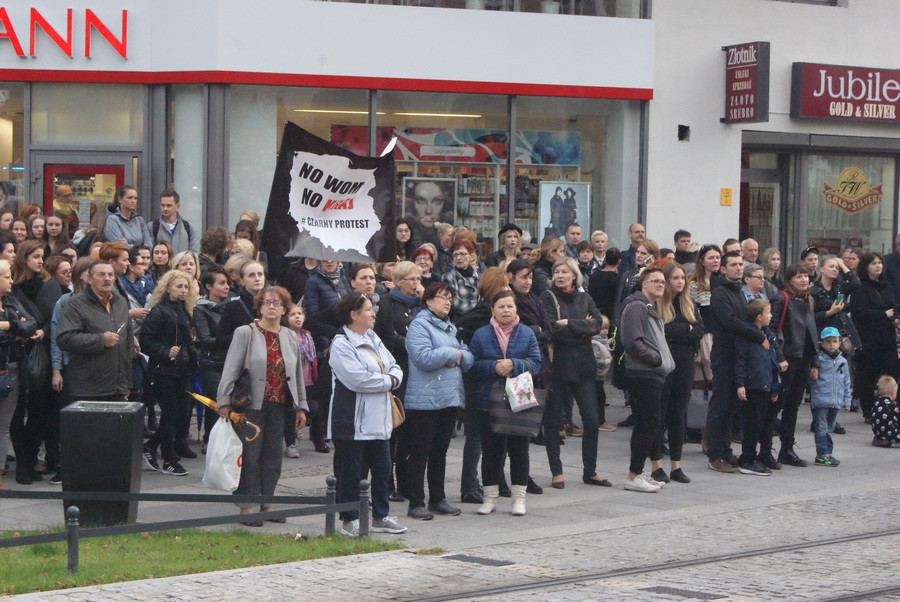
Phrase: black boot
pixel 533 487
pixel 183 450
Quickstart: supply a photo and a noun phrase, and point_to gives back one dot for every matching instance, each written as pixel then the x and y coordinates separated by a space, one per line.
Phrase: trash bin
pixel 101 444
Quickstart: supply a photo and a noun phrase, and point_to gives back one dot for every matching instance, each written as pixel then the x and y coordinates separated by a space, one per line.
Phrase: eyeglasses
pixel 272 302
pixel 447 298
pixel 64 273
pixel 461 254
pixel 655 281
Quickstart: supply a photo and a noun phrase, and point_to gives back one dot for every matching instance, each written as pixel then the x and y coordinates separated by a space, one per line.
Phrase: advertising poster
pixel 328 203
pixel 427 201
pixel 561 204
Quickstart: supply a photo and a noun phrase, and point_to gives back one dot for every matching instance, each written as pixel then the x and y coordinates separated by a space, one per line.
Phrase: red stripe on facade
pixel 325 81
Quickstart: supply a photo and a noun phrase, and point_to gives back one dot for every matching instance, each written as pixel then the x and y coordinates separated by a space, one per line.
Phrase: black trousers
pixel 428 441
pixel 171 394
pixel 755 411
pixel 673 406
pixel 494 448
pixel 31 424
pixel 586 397
pixel 794 382
pixel 870 365
pixel 722 406
pixel 645 400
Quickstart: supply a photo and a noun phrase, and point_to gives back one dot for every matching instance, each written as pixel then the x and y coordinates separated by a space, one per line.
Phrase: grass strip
pixel 166 554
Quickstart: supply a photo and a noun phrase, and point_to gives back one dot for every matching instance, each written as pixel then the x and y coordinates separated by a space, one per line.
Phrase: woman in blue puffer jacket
pixel 434 393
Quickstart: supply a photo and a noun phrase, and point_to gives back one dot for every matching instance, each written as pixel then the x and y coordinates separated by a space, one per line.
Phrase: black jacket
pixel 823 299
pixel 728 321
pixel 210 342
pixel 237 312
pixel 602 287
pixel 95 370
pixel 10 347
pixel 682 336
pixel 391 323
pixel 475 318
pixel 798 337
pixel 867 307
pixel 542 276
pixel 573 358
pixel 168 325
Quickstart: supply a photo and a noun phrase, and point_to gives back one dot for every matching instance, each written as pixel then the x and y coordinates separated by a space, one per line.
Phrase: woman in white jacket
pixel 363 375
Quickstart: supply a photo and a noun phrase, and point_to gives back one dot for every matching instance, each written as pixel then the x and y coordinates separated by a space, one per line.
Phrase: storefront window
pixel 851 202
pixel 256 121
pixel 87 115
pixel 451 160
pixel 12 120
pixel 577 161
pixel 188 147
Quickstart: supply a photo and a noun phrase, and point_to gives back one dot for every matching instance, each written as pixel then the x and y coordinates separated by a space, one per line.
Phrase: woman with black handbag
pixel 35 293
pixel 166 339
pixel 269 356
pixel 502 349
pixel 12 325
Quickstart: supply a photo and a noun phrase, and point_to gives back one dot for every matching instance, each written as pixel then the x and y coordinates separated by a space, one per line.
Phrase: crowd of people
pixel 126 309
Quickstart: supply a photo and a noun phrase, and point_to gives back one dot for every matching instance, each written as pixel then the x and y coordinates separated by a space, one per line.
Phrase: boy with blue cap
pixel 829 393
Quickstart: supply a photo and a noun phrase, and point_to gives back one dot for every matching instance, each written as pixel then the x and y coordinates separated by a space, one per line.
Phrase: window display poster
pixel 427 201
pixel 561 204
pixel 328 203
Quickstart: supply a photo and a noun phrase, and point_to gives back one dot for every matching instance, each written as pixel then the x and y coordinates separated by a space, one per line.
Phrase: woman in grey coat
pixel 647 362
pixel 276 377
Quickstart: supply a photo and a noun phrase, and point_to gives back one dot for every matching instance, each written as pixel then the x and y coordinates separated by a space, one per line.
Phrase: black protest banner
pixel 328 203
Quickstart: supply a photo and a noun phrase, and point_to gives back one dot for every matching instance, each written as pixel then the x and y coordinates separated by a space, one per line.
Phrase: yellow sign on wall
pixel 725 195
pixel 852 193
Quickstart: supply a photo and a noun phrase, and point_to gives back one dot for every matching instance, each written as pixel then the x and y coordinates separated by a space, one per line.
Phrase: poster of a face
pixel 427 201
pixel 561 204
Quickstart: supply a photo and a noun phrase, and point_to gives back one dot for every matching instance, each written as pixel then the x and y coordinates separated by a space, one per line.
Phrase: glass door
pixel 765 188
pixel 91 180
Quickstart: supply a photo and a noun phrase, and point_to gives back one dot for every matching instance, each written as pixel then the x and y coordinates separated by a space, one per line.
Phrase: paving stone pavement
pixel 579 532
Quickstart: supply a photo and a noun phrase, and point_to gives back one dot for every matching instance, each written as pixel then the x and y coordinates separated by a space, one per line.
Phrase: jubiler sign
pixel 746 83
pixel 845 93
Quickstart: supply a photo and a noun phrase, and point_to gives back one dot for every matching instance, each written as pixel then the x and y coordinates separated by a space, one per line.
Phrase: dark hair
pixel 729 255
pixel 52 263
pixel 171 192
pixel 278 291
pixel 353 301
pixel 63 237
pixel 208 278
pixel 652 269
pixel 433 290
pixel 681 234
pixel 570 224
pixel 502 295
pixel 584 245
pixel 793 270
pixel 517 265
pixel 357 267
pixel 755 309
pixel 863 269
pixel 613 256
pixel 68 246
pixel 215 242
pixel 730 241
pixel 665 251
pixel 120 192
pixel 95 264
pixel 246 225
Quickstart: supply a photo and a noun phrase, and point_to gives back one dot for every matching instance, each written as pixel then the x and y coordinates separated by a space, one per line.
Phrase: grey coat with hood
pixel 647 354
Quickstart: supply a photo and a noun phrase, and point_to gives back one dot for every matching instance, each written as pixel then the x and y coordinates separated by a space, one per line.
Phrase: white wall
pixel 689 89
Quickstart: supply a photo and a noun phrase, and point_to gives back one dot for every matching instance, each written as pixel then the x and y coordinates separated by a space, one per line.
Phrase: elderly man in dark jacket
pixel 95 329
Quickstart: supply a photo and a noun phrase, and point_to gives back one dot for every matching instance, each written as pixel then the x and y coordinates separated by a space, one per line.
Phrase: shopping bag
pixel 520 392
pixel 224 454
pixel 504 421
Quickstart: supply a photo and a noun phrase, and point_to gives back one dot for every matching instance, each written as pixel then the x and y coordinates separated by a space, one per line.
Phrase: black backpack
pixel 187 228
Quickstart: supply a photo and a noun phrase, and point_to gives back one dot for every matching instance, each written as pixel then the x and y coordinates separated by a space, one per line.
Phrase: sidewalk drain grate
pixel 478 560
pixel 674 591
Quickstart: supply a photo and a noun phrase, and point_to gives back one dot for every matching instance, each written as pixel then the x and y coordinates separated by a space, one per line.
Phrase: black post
pixel 72 514
pixel 364 510
pixel 330 496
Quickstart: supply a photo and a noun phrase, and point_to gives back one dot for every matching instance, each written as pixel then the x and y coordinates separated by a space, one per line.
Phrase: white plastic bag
pixel 520 392
pixel 224 454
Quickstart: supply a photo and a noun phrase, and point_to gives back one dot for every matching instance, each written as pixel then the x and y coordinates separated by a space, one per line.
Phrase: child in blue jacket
pixel 829 393
pixel 756 375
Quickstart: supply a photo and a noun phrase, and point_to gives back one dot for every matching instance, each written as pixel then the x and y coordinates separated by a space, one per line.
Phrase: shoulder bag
pixel 242 393
pixel 508 417
pixel 398 412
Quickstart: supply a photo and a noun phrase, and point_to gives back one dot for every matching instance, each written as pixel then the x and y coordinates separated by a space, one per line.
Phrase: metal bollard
pixel 365 512
pixel 330 497
pixel 72 514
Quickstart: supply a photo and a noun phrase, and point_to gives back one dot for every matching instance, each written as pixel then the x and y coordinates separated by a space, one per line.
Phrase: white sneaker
pixel 292 451
pixel 350 528
pixel 388 524
pixel 642 485
pixel 653 481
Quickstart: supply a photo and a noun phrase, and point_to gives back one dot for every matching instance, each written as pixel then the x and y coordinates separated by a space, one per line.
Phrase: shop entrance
pixel 766 192
pixel 92 178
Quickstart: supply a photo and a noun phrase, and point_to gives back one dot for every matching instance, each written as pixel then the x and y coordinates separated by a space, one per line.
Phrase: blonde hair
pixel 665 306
pixel 598 233
pixel 886 385
pixel 551 243
pixel 162 288
pixel 404 269
pixel 5 266
pixel 573 267
pixel 178 259
pixel 243 247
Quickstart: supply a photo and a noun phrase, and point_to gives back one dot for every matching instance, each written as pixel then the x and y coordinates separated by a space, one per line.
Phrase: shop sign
pixel 746 83
pixel 64 41
pixel 457 145
pixel 845 93
pixel 852 192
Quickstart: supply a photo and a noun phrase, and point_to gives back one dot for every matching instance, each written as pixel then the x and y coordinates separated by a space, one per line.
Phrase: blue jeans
pixel 824 420
pixel 349 456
